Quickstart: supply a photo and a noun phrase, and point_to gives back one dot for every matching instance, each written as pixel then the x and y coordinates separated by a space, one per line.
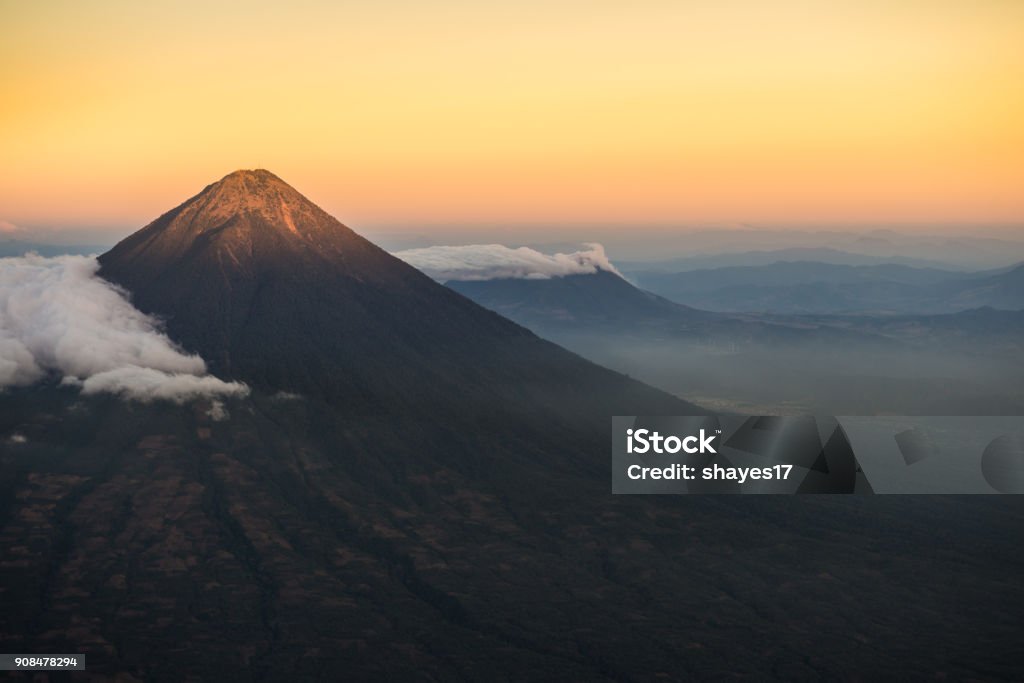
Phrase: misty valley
pixel 969 361
pixel 838 381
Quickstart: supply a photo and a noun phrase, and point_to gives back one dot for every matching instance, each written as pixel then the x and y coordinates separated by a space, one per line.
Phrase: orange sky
pixel 554 111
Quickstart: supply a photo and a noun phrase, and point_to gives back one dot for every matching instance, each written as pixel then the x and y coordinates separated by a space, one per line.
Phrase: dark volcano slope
pixel 293 543
pixel 270 289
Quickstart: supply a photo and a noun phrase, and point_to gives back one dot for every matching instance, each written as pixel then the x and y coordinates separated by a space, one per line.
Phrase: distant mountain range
pixel 767 257
pixel 964 363
pixel 605 302
pixel 968 248
pixel 813 287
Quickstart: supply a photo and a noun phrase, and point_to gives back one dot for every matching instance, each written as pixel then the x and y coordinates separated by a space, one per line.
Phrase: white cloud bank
pixel 58 316
pixel 496 261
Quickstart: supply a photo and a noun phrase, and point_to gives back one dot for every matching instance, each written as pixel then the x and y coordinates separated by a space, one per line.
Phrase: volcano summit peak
pixel 270 289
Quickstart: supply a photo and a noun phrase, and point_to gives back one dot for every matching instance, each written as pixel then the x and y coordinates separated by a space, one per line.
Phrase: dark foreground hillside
pixel 289 542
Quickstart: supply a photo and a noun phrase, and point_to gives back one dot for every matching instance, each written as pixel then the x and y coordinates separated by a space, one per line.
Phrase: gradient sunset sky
pixel 448 112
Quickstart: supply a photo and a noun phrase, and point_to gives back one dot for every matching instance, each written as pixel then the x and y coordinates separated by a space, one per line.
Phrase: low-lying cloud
pixel 496 261
pixel 58 317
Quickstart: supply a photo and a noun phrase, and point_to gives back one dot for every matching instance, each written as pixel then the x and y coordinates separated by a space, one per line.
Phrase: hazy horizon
pixel 961 246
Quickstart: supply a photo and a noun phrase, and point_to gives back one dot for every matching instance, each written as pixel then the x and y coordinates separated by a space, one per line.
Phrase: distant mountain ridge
pixel 599 297
pixel 562 307
pixel 821 288
pixel 962 363
pixel 767 257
